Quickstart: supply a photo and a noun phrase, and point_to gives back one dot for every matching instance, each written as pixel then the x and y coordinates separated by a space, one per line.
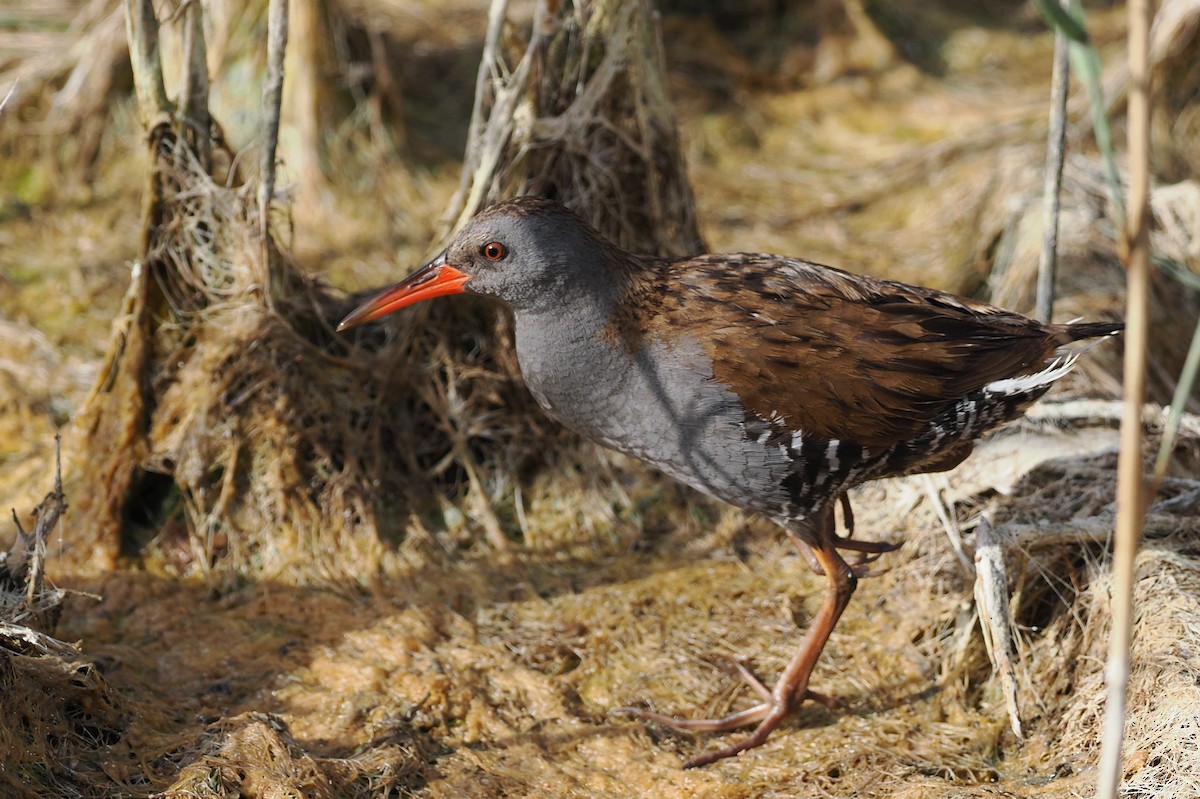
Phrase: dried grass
pixel 580 113
pixel 1162 749
pixel 273 477
pixel 254 755
pixel 63 90
pixel 60 718
pixel 58 709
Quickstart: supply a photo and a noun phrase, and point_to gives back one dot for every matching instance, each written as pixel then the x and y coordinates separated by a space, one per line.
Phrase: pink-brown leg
pixel 868 551
pixel 792 687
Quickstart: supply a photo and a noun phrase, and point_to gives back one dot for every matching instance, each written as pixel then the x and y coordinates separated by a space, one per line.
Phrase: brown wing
pixel 842 356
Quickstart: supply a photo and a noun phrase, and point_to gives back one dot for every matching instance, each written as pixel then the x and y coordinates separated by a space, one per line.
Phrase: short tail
pixel 1079 331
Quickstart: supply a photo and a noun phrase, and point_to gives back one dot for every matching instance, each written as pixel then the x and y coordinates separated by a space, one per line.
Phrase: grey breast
pixel 659 403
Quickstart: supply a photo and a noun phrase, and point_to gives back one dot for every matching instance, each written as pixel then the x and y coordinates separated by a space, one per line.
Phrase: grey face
pixel 530 261
pixel 530 253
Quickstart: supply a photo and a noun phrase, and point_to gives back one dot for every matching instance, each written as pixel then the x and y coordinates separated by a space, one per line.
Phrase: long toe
pixel 757 738
pixel 764 692
pixel 871 547
pixel 748 677
pixel 810 557
pixel 742 718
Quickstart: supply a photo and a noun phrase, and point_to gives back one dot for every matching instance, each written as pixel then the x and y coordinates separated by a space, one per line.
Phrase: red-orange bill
pixel 435 279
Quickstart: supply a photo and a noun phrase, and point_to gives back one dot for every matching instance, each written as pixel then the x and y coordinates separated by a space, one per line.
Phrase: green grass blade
pixel 1183 390
pixel 1061 19
pixel 1085 63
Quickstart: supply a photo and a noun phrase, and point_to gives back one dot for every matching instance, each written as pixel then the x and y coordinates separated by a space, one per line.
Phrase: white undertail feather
pixel 1026 383
pixel 831 455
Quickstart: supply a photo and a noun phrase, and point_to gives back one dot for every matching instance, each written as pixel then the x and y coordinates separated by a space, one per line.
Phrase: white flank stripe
pixel 1025 383
pixel 831 455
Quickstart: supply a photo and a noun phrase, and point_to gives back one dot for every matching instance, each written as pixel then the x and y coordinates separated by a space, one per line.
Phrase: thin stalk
pixel 1068 18
pixel 277 34
pixel 1131 491
pixel 193 92
pixel 141 28
pixel 1179 401
pixel 1052 184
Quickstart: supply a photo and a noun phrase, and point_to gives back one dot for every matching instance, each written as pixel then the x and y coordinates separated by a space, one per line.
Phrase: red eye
pixel 494 251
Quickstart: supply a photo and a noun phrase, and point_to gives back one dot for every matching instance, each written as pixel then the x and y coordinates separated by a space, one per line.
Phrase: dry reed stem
pixel 24 597
pixel 1052 184
pixel 141 32
pixel 194 86
pixel 272 100
pixel 1131 483
pixel 995 619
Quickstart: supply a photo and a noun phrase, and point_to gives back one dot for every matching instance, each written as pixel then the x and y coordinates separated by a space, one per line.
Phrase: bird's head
pixel 527 252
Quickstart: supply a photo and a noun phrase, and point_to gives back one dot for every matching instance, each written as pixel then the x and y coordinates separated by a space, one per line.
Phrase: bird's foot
pixel 867 552
pixel 765 693
pixel 767 714
pixel 792 687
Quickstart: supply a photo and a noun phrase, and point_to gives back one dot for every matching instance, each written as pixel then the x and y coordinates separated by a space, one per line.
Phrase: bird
pixel 772 383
